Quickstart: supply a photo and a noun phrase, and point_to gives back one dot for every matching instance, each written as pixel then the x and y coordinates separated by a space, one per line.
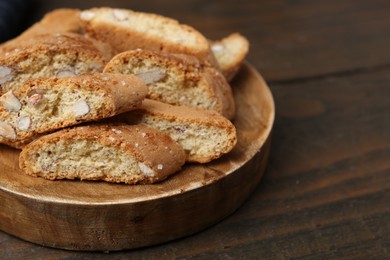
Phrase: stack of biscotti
pixel 149 92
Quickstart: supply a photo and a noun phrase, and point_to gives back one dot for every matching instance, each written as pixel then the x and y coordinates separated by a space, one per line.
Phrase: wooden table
pixel 326 191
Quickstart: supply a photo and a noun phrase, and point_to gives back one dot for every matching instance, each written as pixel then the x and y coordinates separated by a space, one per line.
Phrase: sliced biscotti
pixel 46 104
pixel 177 79
pixel 52 55
pixel 204 135
pixel 230 53
pixel 127 30
pixel 112 153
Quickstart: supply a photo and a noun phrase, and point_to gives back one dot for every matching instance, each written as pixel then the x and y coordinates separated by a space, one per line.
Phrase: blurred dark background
pixel 14 17
pixel 289 39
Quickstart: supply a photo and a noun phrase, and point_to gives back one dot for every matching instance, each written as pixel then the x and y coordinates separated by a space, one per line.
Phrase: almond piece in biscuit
pixel 112 153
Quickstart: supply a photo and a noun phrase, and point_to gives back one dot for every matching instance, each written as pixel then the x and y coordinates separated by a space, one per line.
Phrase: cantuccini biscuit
pixel 45 104
pixel 204 135
pixel 53 55
pixel 112 153
pixel 177 79
pixel 230 52
pixel 126 30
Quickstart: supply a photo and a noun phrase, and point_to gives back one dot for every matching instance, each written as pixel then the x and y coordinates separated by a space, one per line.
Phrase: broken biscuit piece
pixel 230 53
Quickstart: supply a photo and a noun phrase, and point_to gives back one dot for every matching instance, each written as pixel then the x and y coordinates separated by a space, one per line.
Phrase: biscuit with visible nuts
pixel 49 56
pixel 47 104
pixel 230 52
pixel 204 135
pixel 112 153
pixel 177 79
pixel 127 30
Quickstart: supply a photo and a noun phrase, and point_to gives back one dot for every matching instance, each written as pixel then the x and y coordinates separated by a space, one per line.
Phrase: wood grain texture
pixel 290 40
pixel 325 193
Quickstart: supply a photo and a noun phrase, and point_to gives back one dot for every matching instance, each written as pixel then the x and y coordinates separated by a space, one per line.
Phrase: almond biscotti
pixel 177 79
pixel 230 53
pixel 112 153
pixel 53 55
pixel 46 104
pixel 204 135
pixel 126 30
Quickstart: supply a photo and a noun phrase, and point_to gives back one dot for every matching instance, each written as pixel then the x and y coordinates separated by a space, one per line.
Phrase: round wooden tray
pixel 86 215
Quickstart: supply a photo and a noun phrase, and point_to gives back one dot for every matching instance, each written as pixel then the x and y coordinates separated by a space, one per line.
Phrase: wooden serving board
pixel 87 215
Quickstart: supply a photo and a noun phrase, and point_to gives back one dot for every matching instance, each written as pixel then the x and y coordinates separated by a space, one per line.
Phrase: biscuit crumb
pixel 34 99
pixel 218 47
pixel 7 130
pixel 5 74
pixel 146 170
pixel 63 73
pixel 120 15
pixel 87 15
pixel 118 132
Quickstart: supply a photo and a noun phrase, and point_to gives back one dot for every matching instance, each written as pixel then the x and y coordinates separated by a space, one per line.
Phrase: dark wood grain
pixel 326 191
pixel 289 39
